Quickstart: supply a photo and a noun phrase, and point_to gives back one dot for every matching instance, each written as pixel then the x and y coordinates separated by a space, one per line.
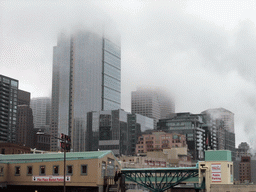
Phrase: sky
pixel 202 52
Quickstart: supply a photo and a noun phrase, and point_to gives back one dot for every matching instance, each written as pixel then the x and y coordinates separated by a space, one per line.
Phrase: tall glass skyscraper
pixel 86 77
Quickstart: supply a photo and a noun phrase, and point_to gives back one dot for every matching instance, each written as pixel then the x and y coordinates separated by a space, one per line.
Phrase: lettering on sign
pixel 216 172
pixel 51 178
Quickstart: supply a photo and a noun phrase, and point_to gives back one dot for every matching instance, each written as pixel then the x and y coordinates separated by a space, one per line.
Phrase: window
pixel 17 170
pixel 1 170
pixel 42 170
pixel 55 170
pixel 84 169
pixel 69 169
pixel 29 170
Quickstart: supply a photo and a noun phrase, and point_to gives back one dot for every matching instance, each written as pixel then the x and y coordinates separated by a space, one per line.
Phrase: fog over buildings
pixel 203 52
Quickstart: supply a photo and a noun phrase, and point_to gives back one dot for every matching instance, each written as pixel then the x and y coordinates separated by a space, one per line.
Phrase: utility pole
pixel 65 144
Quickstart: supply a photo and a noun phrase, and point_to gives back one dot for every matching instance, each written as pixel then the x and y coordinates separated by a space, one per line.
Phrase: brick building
pixel 245 169
pixel 159 140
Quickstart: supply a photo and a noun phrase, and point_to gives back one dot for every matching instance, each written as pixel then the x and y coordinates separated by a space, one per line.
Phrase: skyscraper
pixel 86 77
pixel 224 119
pixel 8 108
pixel 152 103
pixel 41 107
pixel 222 114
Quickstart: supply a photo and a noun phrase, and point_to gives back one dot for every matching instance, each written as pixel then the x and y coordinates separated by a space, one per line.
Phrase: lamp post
pixel 65 144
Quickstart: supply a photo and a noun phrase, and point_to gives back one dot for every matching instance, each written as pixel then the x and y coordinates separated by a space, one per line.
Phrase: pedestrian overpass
pixel 161 179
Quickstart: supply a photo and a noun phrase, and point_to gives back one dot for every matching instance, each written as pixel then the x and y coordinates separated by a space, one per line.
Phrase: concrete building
pixel 153 103
pixel 175 157
pixel 85 171
pixel 8 108
pixel 41 108
pixel 142 162
pixel 159 140
pixel 190 125
pixel 217 168
pixel 115 130
pixel 25 133
pixel 86 77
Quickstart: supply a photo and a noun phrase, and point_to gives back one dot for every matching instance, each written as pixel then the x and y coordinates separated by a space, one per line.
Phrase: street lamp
pixel 65 145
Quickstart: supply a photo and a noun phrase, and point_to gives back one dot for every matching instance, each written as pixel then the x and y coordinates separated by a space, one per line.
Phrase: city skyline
pixel 201 51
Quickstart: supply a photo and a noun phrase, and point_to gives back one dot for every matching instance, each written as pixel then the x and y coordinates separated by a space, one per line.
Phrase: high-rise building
pixel 115 130
pixel 25 133
pixel 222 120
pixel 41 108
pixel 222 114
pixel 86 77
pixel 152 103
pixel 190 125
pixel 23 97
pixel 8 108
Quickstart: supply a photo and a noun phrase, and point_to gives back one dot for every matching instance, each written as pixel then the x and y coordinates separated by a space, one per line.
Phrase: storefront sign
pixel 51 178
pixel 216 172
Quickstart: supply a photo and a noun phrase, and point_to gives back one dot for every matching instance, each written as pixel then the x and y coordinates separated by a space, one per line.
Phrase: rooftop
pixel 24 158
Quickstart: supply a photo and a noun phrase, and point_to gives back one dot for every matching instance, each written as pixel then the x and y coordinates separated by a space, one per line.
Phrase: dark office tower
pixel 86 77
pixel 23 97
pixel 8 108
pixel 190 125
pixel 41 108
pixel 153 103
pixel 116 130
pixel 25 130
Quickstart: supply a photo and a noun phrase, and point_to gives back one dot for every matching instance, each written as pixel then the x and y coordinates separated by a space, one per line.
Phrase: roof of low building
pixel 25 158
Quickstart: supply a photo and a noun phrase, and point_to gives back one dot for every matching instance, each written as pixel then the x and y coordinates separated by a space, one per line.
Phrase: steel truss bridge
pixel 161 179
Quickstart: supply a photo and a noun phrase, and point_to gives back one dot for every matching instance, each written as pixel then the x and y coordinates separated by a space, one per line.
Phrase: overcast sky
pixel 203 52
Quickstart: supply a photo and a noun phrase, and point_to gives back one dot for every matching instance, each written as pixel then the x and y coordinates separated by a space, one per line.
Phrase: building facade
pixel 12 148
pixel 245 170
pixel 222 122
pixel 158 140
pixel 243 150
pixel 190 125
pixel 115 130
pixel 152 103
pixel 25 134
pixel 8 108
pixel 222 114
pixel 23 97
pixel 41 108
pixel 42 140
pixel 86 77
pixel 85 171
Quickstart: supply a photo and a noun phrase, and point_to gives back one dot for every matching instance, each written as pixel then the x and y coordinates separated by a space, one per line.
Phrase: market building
pixel 85 171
